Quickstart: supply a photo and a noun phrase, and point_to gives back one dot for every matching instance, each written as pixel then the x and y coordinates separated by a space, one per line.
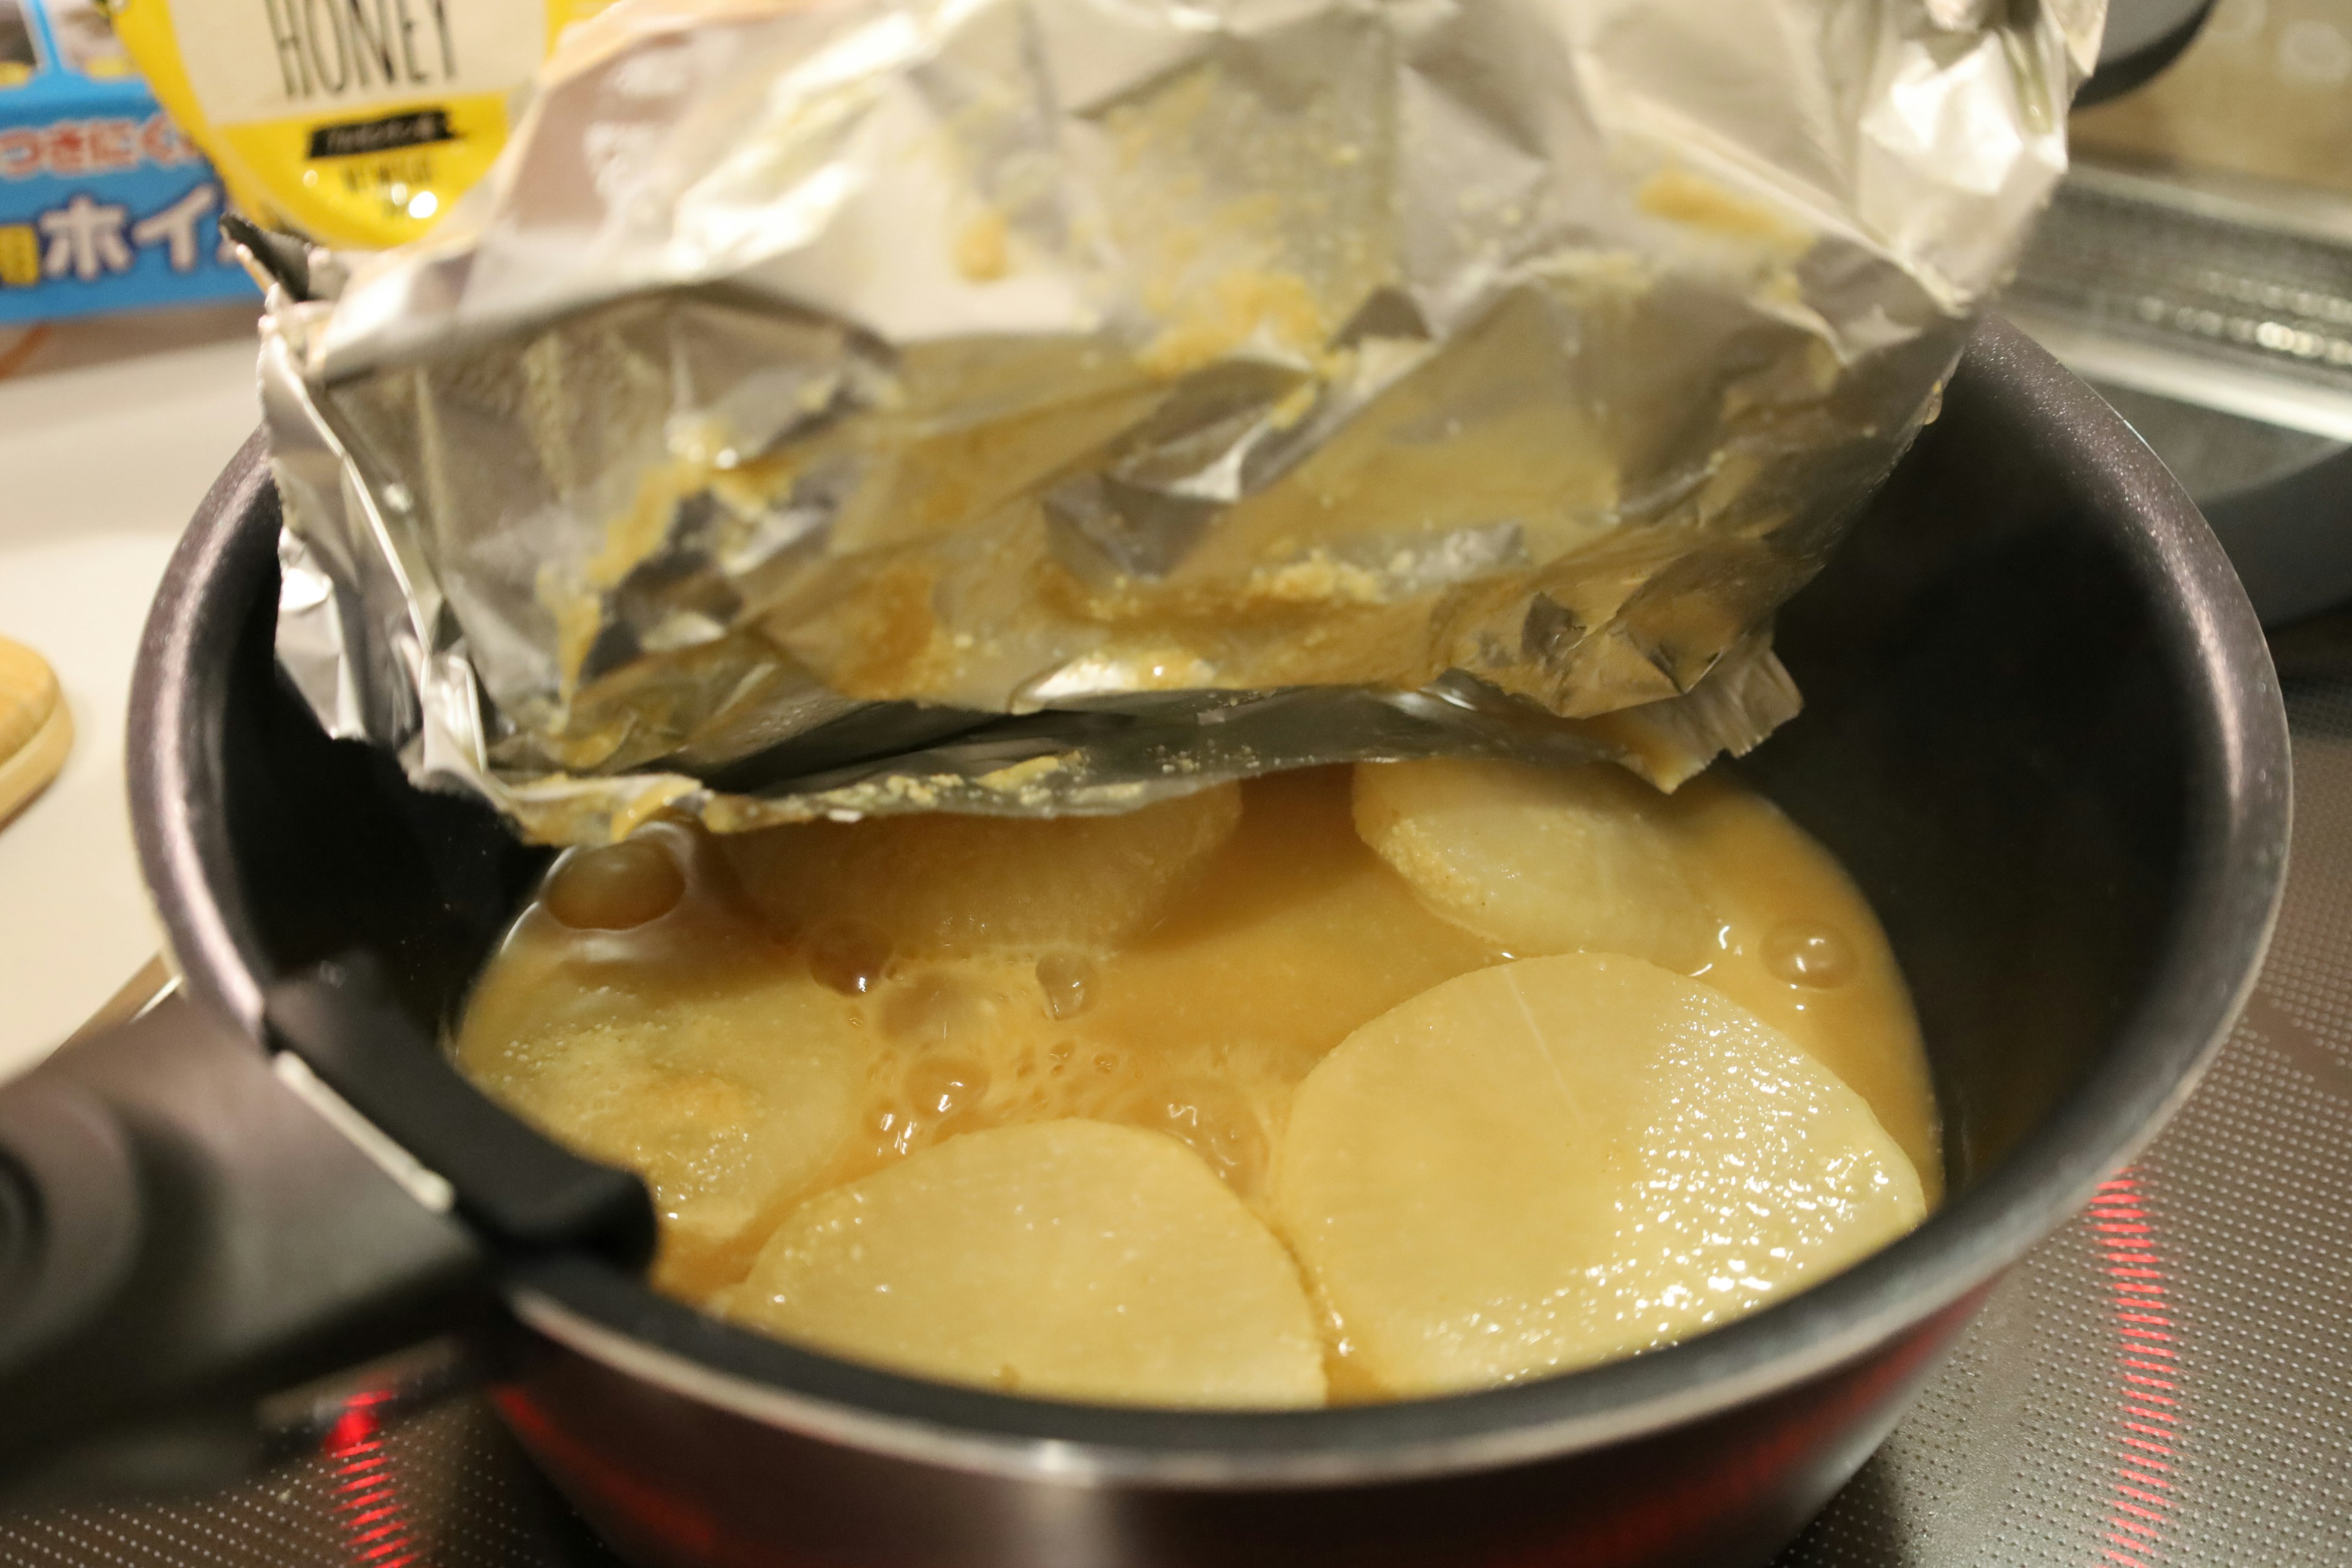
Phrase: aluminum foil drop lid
pixel 1034 405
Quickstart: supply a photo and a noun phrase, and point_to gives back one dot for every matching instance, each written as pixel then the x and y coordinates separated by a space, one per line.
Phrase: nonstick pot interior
pixel 2042 732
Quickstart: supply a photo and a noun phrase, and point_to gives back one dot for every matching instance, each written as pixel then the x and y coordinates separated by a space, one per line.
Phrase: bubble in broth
pixel 847 957
pixel 614 888
pixel 1807 952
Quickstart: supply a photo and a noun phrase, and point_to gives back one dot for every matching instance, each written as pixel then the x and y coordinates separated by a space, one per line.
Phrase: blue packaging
pixel 104 206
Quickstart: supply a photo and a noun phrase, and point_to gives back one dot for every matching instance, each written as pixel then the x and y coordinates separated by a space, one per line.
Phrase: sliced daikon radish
pixel 1538 859
pixel 1559 1161
pixel 727 1088
pixel 928 882
pixel 1071 1260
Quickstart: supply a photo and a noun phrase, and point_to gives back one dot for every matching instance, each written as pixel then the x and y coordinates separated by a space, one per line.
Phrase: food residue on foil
pixel 796 362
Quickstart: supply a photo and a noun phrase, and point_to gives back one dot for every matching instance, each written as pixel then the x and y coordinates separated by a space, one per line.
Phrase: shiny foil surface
pixel 1033 405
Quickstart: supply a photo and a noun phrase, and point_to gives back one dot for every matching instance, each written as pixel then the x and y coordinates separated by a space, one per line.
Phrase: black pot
pixel 2042 733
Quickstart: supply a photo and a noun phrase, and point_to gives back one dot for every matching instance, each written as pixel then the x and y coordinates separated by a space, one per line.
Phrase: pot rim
pixel 2232 878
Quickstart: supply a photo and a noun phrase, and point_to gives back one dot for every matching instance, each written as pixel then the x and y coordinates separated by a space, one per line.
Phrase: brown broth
pixel 703 1022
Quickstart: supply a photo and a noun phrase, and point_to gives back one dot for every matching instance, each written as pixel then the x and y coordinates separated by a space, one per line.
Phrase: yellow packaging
pixel 355 122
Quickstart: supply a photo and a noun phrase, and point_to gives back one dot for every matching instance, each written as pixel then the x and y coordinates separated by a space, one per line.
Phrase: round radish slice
pixel 1071 1260
pixel 1538 859
pixel 1559 1161
pixel 925 883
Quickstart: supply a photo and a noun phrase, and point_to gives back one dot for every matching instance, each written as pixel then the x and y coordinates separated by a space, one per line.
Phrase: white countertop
pixel 110 432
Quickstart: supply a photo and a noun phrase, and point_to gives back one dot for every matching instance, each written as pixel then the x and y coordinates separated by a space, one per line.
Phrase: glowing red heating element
pixel 2149 1431
pixel 367 1495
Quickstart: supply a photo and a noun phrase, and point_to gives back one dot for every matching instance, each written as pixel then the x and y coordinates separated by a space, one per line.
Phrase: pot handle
pixel 182 1236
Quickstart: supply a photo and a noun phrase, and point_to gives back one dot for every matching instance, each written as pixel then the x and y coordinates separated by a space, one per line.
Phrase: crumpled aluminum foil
pixel 1034 405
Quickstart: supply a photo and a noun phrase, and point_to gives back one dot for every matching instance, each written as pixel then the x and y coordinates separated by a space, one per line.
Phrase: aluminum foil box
pixel 103 204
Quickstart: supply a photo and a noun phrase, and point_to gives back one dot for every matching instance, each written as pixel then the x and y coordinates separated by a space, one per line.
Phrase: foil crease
pixel 1033 405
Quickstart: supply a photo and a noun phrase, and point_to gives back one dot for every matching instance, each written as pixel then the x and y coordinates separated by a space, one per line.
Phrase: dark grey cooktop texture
pixel 2165 1383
